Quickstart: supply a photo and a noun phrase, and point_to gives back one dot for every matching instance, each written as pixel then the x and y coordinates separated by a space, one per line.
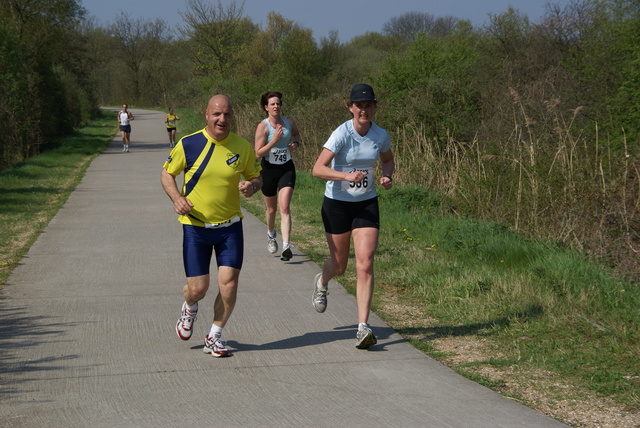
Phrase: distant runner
pixel 124 117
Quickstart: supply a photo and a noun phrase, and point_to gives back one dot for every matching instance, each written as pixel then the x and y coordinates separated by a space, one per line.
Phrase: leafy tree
pixel 19 124
pixel 284 57
pixel 43 34
pixel 298 68
pixel 361 58
pixel 601 39
pixel 42 25
pixel 428 86
pixel 257 58
pixel 624 102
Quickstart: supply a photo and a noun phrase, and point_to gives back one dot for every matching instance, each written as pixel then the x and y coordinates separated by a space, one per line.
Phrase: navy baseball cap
pixel 363 92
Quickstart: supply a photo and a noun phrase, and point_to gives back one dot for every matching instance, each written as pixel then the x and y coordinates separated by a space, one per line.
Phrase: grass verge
pixel 534 321
pixel 500 309
pixel 34 190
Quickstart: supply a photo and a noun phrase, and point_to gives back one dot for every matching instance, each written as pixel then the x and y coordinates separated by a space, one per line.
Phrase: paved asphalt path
pixel 87 333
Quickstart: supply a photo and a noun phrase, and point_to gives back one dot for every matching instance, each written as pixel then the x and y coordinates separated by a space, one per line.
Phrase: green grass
pixel 34 190
pixel 189 122
pixel 542 307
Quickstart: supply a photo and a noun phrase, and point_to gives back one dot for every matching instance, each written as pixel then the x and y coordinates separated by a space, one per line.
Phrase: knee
pixel 338 268
pixel 364 267
pixel 229 289
pixel 195 292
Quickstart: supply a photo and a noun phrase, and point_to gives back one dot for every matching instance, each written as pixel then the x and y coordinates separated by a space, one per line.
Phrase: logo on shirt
pixel 169 159
pixel 232 159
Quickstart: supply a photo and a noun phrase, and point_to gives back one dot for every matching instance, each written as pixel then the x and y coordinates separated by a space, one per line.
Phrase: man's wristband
pixel 254 187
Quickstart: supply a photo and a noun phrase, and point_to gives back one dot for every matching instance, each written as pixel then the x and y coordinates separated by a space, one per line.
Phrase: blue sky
pixel 349 17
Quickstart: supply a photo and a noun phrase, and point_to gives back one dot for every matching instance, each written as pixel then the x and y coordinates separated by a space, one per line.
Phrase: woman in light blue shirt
pixel 350 206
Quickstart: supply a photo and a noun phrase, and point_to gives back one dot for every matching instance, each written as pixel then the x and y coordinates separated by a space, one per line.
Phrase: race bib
pixel 279 156
pixel 171 123
pixel 361 188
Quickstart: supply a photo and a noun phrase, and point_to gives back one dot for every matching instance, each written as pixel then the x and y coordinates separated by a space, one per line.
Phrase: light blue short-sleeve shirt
pixel 279 153
pixel 355 152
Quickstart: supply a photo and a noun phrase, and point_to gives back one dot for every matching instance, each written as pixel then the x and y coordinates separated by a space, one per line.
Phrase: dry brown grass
pixel 543 391
pixel 554 176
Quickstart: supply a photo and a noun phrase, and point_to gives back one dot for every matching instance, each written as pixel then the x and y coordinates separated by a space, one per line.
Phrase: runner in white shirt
pixel 350 206
pixel 124 117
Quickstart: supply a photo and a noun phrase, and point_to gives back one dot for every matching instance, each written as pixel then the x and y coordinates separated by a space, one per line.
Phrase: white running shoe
pixel 272 245
pixel 184 326
pixel 365 338
pixel 215 346
pixel 319 298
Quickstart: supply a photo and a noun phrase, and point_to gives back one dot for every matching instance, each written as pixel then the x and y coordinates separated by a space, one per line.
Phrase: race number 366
pixel 363 186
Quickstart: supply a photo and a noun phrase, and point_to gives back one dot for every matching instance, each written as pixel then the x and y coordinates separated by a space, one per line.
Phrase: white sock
pixel 362 325
pixel 193 308
pixel 215 331
pixel 271 234
pixel 285 245
pixel 322 287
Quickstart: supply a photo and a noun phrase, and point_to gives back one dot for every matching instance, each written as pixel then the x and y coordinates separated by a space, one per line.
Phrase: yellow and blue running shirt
pixel 212 171
pixel 171 120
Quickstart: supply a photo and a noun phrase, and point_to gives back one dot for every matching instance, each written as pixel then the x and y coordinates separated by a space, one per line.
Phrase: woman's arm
pixel 294 143
pixel 261 145
pixel 321 169
pixel 388 166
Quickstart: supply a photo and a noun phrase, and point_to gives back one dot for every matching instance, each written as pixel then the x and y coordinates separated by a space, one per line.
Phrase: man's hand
pixel 182 205
pixel 247 188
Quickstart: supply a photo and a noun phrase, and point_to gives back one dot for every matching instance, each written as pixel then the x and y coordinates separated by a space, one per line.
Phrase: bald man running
pixel 218 165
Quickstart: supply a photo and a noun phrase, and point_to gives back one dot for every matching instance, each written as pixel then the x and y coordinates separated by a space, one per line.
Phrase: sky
pixel 350 18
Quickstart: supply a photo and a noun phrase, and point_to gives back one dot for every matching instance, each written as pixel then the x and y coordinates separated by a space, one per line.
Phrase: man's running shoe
pixel 286 255
pixel 272 245
pixel 319 298
pixel 365 338
pixel 215 346
pixel 184 326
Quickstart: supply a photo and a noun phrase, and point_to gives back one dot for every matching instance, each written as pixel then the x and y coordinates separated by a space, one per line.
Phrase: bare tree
pixel 138 43
pixel 217 34
pixel 409 25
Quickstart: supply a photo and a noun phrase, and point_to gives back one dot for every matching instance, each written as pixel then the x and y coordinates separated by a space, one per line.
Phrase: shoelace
pixel 187 318
pixel 216 342
pixel 362 335
pixel 321 294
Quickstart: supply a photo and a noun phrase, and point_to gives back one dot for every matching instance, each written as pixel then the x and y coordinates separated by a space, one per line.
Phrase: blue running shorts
pixel 199 243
